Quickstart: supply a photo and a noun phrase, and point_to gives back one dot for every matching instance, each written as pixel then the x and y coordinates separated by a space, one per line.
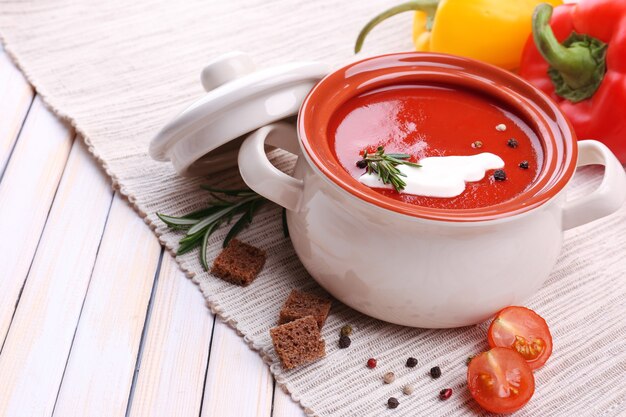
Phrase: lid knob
pixel 226 68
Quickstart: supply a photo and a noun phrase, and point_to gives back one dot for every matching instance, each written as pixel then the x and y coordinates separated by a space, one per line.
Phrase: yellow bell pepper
pixel 493 31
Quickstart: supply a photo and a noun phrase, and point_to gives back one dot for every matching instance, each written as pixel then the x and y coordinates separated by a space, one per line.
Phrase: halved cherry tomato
pixel 523 330
pixel 500 380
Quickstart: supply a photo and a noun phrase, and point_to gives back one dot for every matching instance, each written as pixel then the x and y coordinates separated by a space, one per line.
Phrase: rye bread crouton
pixel 298 342
pixel 301 304
pixel 239 263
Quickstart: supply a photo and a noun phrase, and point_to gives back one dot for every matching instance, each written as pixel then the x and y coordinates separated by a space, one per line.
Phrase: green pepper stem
pixel 575 63
pixel 427 6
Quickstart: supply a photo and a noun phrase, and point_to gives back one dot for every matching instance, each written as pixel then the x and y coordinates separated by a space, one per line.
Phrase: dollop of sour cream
pixel 441 176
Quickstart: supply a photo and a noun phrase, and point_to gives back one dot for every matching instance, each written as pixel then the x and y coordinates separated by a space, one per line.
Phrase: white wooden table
pixel 95 319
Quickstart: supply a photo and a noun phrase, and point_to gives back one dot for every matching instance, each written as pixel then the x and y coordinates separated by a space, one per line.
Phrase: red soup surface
pixel 428 121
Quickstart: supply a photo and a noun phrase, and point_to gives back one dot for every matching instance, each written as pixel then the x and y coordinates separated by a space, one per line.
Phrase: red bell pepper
pixel 579 59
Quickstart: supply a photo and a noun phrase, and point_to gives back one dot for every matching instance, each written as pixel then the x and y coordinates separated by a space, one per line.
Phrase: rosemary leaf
pixel 192 237
pixel 217 215
pixel 254 207
pixel 285 227
pixel 177 222
pixel 188 245
pixel 239 225
pixel 202 224
pixel 386 166
pixel 243 221
pixel 199 214
pixel 205 240
pixel 233 193
pixel 218 198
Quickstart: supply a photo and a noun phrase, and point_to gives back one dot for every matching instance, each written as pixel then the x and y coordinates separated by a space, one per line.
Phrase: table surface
pixel 95 318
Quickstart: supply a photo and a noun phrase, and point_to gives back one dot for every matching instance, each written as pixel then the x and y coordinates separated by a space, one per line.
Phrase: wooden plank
pixel 26 193
pixel 284 406
pixel 238 382
pixel 100 370
pixel 38 343
pixel 16 96
pixel 176 349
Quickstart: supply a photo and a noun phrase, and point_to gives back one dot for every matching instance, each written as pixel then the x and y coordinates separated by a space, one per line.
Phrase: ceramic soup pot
pixel 419 266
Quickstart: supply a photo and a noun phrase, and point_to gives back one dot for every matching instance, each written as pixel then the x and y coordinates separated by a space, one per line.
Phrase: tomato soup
pixel 433 121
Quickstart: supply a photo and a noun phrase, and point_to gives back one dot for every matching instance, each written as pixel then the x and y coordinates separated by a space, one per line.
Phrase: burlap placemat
pixel 119 70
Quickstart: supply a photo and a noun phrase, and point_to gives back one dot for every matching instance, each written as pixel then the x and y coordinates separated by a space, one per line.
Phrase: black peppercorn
pixel 393 402
pixel 499 175
pixel 512 143
pixel 361 164
pixel 411 362
pixel 344 342
pixel 523 164
pixel 435 372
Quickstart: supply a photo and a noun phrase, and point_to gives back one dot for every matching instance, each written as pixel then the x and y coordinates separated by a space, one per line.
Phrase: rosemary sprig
pixel 385 166
pixel 201 224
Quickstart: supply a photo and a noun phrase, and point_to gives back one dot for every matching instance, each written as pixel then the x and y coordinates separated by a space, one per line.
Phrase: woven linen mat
pixel 119 70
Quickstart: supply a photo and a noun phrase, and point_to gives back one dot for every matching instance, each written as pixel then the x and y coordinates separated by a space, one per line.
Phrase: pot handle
pixel 609 196
pixel 259 173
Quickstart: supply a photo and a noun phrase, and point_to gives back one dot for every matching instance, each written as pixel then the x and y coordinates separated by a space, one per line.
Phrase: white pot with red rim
pixel 419 266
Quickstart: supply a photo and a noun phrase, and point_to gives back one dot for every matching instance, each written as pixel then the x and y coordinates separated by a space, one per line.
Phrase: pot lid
pixel 205 137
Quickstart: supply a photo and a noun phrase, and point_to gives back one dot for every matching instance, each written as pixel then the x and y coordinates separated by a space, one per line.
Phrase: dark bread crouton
pixel 298 342
pixel 239 263
pixel 301 304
